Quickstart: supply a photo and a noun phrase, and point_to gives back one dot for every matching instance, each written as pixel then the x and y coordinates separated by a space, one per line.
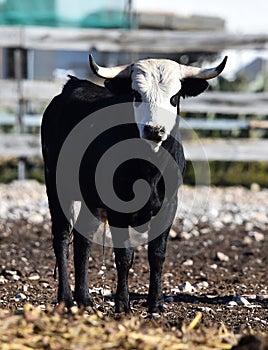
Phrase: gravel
pixel 216 259
pixel 200 208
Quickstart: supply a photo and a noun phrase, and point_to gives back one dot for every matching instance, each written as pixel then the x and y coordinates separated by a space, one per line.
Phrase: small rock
pixel 213 266
pixel 222 257
pixel 34 277
pixel 74 309
pixel 36 219
pixel 188 225
pixel 232 303
pixel 205 230
pixel 169 299
pixel 218 225
pixel 175 290
pixel 16 277
pixel 247 240
pixel 201 285
pixel 205 309
pixel 186 235
pixel 255 187
pixel 3 280
pixel 249 226
pixel 21 296
pixel 168 275
pixel 186 287
pixel 242 301
pixel 188 262
pixel 10 272
pixel 173 234
pixel 258 236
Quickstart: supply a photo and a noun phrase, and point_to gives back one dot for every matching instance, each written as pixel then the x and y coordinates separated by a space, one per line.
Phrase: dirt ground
pixel 230 287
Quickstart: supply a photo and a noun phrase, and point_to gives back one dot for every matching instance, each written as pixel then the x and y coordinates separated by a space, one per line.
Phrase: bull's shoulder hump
pixel 84 90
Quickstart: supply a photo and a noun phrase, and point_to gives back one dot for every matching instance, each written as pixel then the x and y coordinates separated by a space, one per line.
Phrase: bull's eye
pixel 137 98
pixel 174 100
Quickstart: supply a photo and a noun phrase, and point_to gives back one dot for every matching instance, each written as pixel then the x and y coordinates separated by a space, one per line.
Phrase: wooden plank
pixel 259 124
pixel 31 90
pixel 26 145
pixel 185 123
pixel 27 119
pixel 158 41
pixel 241 103
pixel 227 150
pixel 20 145
pixel 210 102
pixel 213 124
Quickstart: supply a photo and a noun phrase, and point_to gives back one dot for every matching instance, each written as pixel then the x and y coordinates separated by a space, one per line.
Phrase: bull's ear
pixel 119 86
pixel 193 87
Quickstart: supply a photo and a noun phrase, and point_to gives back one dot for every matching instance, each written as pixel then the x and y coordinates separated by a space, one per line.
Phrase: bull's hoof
pixel 83 300
pixel 156 310
pixel 122 307
pixel 66 298
pixel 156 306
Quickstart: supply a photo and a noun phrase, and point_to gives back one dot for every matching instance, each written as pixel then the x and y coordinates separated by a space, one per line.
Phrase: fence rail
pixel 28 145
pixel 15 94
pixel 159 41
pixel 241 103
pixel 24 145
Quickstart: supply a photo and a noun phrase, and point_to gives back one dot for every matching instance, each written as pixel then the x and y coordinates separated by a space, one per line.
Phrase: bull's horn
pixel 109 72
pixel 202 73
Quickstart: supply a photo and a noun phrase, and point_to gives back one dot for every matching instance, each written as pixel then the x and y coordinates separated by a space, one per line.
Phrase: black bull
pixel 82 102
pixel 132 184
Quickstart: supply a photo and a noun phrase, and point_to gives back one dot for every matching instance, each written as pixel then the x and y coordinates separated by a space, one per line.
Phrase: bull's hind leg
pixel 61 230
pixel 82 248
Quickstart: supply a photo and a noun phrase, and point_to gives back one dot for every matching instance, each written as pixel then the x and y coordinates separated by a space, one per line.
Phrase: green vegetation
pixel 222 173
pixel 232 173
pixel 9 170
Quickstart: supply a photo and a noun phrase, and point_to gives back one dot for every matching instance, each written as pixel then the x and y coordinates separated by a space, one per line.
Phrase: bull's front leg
pixel 156 256
pixel 158 236
pixel 123 261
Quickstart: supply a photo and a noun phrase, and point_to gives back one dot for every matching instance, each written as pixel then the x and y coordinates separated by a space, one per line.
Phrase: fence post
pixel 18 69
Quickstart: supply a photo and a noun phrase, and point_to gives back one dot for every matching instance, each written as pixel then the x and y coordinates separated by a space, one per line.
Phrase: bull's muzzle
pixel 154 133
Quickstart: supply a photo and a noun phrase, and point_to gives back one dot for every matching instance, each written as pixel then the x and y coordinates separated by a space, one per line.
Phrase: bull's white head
pixel 156 86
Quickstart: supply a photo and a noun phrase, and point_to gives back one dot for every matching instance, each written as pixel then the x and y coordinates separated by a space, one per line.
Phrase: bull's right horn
pixel 202 73
pixel 109 72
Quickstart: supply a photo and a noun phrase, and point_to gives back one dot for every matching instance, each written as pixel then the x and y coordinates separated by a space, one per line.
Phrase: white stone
pixel 186 287
pixel 242 301
pixel 188 262
pixel 222 257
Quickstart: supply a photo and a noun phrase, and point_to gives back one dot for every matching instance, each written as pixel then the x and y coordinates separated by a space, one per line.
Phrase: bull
pixel 139 109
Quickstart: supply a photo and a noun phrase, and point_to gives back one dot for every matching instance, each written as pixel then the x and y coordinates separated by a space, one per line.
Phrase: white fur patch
pixel 156 81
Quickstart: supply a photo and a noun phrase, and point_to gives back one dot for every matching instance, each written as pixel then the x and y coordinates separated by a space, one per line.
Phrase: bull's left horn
pixel 109 72
pixel 202 73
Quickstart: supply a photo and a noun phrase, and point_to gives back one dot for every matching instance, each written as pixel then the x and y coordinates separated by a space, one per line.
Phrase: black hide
pixel 78 100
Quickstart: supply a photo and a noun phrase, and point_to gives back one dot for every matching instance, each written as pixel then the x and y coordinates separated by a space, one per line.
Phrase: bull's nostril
pixel 154 133
pixel 162 130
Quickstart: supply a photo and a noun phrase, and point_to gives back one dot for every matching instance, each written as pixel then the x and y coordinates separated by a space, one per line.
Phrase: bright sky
pixel 241 16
